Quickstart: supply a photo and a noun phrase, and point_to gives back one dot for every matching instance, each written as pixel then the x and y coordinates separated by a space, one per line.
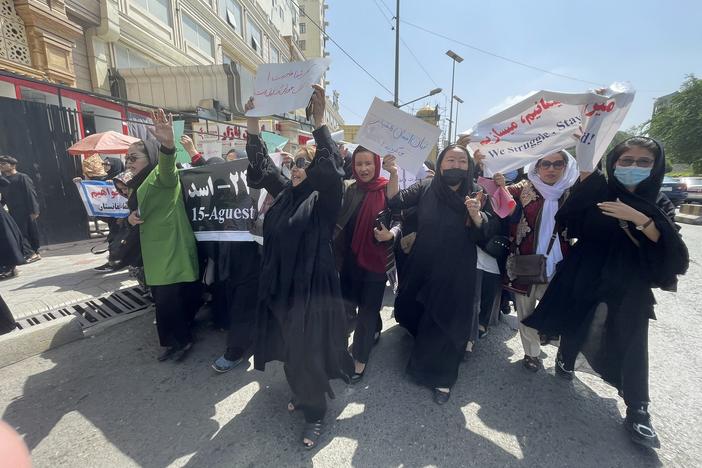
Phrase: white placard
pixel 212 149
pixel 388 130
pixel 285 87
pixel 547 121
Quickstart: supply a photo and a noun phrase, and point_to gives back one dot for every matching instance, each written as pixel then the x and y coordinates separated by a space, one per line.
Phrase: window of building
pixel 161 9
pixel 303 28
pixel 197 36
pixel 127 58
pixel 275 55
pixel 255 37
pixel 302 44
pixel 230 12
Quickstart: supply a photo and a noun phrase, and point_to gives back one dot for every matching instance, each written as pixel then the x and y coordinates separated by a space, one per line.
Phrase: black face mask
pixel 454 176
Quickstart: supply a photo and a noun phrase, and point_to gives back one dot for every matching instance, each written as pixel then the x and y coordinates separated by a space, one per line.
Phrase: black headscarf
pixel 116 167
pixel 454 199
pixel 152 150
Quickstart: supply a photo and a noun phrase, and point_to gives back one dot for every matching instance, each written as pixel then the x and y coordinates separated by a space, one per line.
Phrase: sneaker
pixel 641 431
pixel 561 370
pixel 105 267
pixel 223 364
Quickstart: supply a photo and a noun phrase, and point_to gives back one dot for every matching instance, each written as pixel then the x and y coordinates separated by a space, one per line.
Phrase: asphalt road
pixel 105 401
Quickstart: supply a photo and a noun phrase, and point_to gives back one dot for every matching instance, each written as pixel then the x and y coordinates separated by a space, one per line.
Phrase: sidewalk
pixel 64 276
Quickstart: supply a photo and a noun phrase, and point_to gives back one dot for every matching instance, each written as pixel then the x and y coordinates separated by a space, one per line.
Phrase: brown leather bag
pixel 529 269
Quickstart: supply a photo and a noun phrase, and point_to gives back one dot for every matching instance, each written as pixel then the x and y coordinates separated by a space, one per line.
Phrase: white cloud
pixel 507 102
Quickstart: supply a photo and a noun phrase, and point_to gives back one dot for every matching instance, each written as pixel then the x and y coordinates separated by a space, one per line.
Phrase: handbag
pixel 530 269
pixel 125 247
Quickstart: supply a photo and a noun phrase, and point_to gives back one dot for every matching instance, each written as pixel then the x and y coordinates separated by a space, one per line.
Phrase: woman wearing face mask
pixel 536 232
pixel 364 249
pixel 301 319
pixel 601 301
pixel 167 241
pixel 433 303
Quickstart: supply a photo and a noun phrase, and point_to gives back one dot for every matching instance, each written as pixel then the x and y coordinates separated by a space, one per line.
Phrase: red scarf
pixel 370 255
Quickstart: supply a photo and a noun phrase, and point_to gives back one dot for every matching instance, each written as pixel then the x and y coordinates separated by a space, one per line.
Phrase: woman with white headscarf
pixel 532 230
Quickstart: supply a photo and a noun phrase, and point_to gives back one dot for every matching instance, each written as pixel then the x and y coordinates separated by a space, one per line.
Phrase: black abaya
pixel 301 319
pixel 600 299
pixel 7 321
pixel 435 297
pixel 21 199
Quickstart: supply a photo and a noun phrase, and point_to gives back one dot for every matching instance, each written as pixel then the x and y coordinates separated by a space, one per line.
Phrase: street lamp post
pixel 431 93
pixel 459 102
pixel 456 58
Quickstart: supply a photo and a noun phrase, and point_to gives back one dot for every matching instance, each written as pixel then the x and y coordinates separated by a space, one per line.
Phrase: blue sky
pixel 652 44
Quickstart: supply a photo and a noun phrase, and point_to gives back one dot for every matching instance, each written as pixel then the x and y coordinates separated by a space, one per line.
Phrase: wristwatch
pixel 644 225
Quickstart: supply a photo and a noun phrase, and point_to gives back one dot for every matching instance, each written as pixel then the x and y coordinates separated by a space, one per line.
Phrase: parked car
pixel 694 189
pixel 675 189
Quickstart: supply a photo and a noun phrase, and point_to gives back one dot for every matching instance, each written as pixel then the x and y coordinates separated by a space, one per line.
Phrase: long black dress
pixel 435 297
pixel 13 246
pixel 600 299
pixel 7 321
pixel 21 199
pixel 301 319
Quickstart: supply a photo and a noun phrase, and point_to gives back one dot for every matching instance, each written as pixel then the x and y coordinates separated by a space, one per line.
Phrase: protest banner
pixel 211 149
pixel 230 136
pixel 285 87
pixel 388 130
pixel 182 156
pixel 101 199
pixel 546 122
pixel 219 204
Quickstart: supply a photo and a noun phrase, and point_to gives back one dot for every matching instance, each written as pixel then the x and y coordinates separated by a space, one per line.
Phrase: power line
pixel 327 36
pixel 501 57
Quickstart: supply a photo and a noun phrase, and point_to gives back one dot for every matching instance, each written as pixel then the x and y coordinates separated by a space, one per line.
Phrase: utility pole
pixel 396 100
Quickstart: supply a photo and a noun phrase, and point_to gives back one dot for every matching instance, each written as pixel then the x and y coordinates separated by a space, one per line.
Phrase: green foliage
pixel 678 125
pixel 668 166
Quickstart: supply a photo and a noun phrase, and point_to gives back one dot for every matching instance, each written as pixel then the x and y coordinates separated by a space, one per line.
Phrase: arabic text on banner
pixel 102 200
pixel 547 122
pixel 285 87
pixel 388 130
pixel 219 204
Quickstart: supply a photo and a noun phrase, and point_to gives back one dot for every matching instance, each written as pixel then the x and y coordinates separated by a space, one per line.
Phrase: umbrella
pixel 105 143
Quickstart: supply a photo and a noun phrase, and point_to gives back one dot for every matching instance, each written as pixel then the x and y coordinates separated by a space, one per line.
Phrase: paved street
pixel 64 276
pixel 105 401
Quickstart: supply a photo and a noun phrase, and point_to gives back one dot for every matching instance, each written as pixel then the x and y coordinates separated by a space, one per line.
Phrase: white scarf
pixel 551 194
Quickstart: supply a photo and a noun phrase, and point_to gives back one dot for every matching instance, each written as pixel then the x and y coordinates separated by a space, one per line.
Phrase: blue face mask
pixel 631 176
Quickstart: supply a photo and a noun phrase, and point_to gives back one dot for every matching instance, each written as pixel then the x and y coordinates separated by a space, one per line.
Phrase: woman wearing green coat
pixel 167 241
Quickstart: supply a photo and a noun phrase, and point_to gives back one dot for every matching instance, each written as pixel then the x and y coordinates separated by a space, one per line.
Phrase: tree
pixel 678 124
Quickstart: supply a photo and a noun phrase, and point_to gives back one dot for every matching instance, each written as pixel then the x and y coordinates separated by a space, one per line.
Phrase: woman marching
pixel 535 231
pixel 301 319
pixel 364 249
pixel 167 241
pixel 433 303
pixel 600 301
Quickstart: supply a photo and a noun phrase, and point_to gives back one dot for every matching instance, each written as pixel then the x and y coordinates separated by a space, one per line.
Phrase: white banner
pixel 285 87
pixel 102 200
pixel 388 130
pixel 546 122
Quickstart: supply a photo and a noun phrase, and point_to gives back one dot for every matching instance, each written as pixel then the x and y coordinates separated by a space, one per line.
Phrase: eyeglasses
pixel 131 159
pixel 641 162
pixel 302 163
pixel 556 164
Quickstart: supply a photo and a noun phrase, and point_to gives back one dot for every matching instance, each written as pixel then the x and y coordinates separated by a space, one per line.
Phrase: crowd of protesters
pixel 578 253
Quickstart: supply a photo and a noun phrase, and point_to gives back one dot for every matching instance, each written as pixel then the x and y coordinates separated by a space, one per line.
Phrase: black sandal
pixel 531 363
pixel 292 403
pixel 312 432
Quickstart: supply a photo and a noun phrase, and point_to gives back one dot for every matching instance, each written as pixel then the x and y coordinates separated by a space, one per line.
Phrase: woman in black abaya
pixel 600 300
pixel 435 297
pixel 15 247
pixel 301 319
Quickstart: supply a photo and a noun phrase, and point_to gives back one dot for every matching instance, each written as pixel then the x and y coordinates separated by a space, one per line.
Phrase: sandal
pixel 312 432
pixel 531 364
pixel 292 406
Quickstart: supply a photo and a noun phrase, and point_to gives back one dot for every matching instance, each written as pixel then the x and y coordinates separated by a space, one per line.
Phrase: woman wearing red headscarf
pixel 364 245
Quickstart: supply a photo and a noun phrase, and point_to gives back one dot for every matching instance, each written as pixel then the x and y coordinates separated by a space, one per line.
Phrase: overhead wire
pixel 327 36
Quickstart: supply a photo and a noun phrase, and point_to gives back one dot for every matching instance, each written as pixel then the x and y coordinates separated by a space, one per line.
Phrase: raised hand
pixel 389 164
pixel 319 104
pixel 499 179
pixel 163 128
pixel 188 144
pixel 249 104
